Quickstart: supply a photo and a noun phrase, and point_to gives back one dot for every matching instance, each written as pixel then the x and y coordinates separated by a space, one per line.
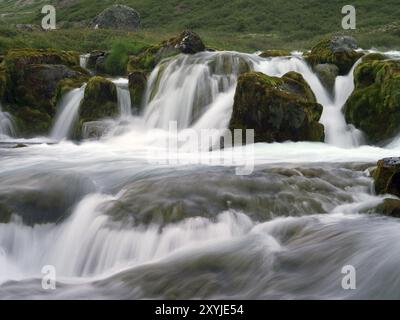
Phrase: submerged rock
pixel 187 42
pixel 387 176
pixel 278 109
pixel 137 88
pixel 100 101
pixel 339 50
pixel 117 17
pixel 374 105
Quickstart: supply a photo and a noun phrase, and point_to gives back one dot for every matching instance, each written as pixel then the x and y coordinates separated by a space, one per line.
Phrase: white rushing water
pixel 6 125
pixel 83 60
pixel 116 225
pixel 124 98
pixel 68 110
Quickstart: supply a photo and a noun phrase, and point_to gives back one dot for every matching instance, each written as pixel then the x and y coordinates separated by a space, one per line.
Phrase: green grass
pixel 244 25
pixel 117 60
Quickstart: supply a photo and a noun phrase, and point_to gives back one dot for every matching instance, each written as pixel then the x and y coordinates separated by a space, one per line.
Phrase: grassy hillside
pixel 236 24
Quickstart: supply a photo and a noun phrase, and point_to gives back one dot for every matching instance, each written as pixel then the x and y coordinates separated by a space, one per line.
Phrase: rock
pixel 275 53
pixel 95 129
pixel 19 146
pixel 374 105
pixel 278 109
pixel 28 27
pixel 389 207
pixel 117 17
pixel 93 56
pixel 137 88
pixel 100 67
pixel 34 82
pixel 187 42
pixel 339 50
pixel 100 101
pixel 387 176
pixel 327 73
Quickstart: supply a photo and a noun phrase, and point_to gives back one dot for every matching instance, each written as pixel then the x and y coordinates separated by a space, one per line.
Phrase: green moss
pixel 278 109
pixel 323 53
pixel 100 100
pixel 275 53
pixel 383 176
pixel 137 88
pixel 374 106
pixel 389 207
pixel 30 122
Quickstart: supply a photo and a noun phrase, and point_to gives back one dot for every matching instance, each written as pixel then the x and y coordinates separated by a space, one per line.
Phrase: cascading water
pixel 184 88
pixel 115 225
pixel 68 114
pixel 124 98
pixel 83 60
pixel 6 125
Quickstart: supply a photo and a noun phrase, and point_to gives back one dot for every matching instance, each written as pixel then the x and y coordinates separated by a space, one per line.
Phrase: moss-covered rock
pixel 389 207
pixel 187 42
pixel 137 88
pixel 338 50
pixel 34 81
pixel 100 101
pixel 374 105
pixel 278 109
pixel 30 121
pixel 387 176
pixel 275 53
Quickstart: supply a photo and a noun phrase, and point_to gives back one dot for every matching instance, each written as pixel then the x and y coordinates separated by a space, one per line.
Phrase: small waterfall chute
pixel 68 114
pixel 124 97
pixel 83 60
pixel 6 125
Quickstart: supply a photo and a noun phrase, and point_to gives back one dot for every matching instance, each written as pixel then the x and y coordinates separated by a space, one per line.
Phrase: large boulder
pixel 117 17
pixel 389 207
pixel 338 50
pixel 100 101
pixel 374 105
pixel 187 42
pixel 137 88
pixel 387 176
pixel 278 109
pixel 34 82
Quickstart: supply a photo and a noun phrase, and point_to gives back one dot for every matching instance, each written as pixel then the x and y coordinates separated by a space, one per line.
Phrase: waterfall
pixel 83 60
pixel 67 114
pixel 337 132
pixel 6 125
pixel 182 89
pixel 124 98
